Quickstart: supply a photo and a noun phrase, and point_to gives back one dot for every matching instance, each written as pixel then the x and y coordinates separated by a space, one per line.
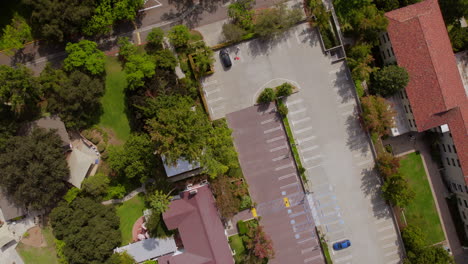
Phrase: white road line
pixel 364 163
pixel 388 236
pixel 210 83
pixel 305 240
pixel 343 259
pixel 303 130
pixel 267 121
pixel 308 168
pixel 300 120
pixel 274 139
pixel 385 228
pixel 306 250
pixel 151 7
pixel 319 256
pixel 278 148
pixel 280 157
pixel 309 148
pixel 215 100
pixel 212 91
pixel 351 102
pixel 380 220
pixel 284 166
pixel 306 139
pixel 389 245
pixel 288 185
pixel 297 111
pixel 286 176
pixel 313 157
pixel 391 253
pixel 294 102
pixel 394 261
pixel 272 130
pixel 347 113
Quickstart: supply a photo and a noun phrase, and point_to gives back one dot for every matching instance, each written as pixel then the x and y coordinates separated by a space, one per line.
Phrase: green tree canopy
pixel 84 55
pixel 232 32
pixel 242 14
pixel 377 114
pixel 453 10
pixel 89 229
pixel 18 88
pixel 126 48
pixel 158 201
pixel 165 59
pixel 96 185
pixel 139 68
pixel 135 159
pixel 15 35
pixel 155 39
pixel 387 5
pixel 272 21
pixel 179 36
pixel 266 96
pixel 34 169
pixel 359 60
pixel 389 80
pixel 397 190
pixel 75 97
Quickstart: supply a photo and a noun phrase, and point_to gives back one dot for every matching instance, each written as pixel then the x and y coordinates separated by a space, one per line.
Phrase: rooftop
pixel 182 166
pixel 49 123
pixel 9 209
pixel 149 248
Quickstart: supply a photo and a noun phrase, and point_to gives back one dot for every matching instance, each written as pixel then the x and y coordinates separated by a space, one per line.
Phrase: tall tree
pixel 397 190
pixel 138 69
pixel 389 80
pixel 271 21
pixel 387 5
pixel 96 185
pixel 15 35
pixel 85 56
pixel 165 60
pixel 359 60
pixel 453 10
pixel 34 169
pixel 155 39
pixel 89 229
pixel 126 48
pixel 241 12
pixel 377 114
pixel 18 88
pixel 179 36
pixel 159 201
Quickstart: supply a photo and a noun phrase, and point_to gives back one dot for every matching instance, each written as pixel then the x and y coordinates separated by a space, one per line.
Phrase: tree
pixel 18 88
pixel 58 20
pixel 413 238
pixel 84 55
pixel 102 20
pixel 266 96
pixel 155 39
pixel 126 9
pixel 138 69
pixel 126 48
pixel 121 258
pixel 397 191
pixel 389 80
pixel 387 5
pixel 179 36
pixel 284 89
pixel 34 169
pixel 135 159
pixel 15 35
pixel 367 23
pixel 458 37
pixel 159 201
pixel 320 13
pixel 96 185
pixel 377 114
pixel 232 32
pixel 165 59
pixel 359 60
pixel 76 97
pixel 260 244
pixel 89 229
pixel 242 14
pixel 203 61
pixel 226 202
pixel 271 21
pixel 387 164
pixel 453 10
pixel 283 110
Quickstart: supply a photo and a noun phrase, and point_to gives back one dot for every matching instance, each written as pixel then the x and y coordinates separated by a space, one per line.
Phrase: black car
pixel 224 55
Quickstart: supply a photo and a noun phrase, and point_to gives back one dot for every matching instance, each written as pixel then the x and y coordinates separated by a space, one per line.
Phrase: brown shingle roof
pixel 9 209
pixel 421 45
pixel 200 229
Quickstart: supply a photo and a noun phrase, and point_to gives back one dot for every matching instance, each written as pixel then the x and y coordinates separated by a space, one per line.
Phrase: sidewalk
pixel 402 145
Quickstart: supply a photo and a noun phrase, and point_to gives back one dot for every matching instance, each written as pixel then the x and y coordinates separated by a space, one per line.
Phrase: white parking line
pixel 305 240
pixel 388 236
pixel 267 121
pixel 306 250
pixel 343 259
pixel 151 7
pixel 288 185
pixel 213 109
pixel 300 120
pixel 309 148
pixel 272 130
pixel 313 157
pixel 274 139
pixel 209 83
pixel 389 245
pixel 306 139
pixel 313 258
pixel 215 100
pixel 308 168
pixel 286 176
pixel 347 113
pixel 280 157
pixel 284 166
pixel 294 102
pixel 303 130
pixel 385 228
pixel 391 253
pixel 297 111
pixel 278 148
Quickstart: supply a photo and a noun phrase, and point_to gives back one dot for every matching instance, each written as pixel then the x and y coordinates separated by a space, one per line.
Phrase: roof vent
pixel 193 192
pixel 444 128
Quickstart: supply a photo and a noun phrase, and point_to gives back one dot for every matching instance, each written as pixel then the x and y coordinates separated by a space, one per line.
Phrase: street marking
pixel 388 236
pixel 305 240
pixel 151 7
pixel 274 139
pixel 215 100
pixel 380 220
pixel 294 102
pixel 300 121
pixel 343 258
pixel 313 258
pixel 286 176
pixel 288 185
pixel 284 166
pixel 351 102
pixel 267 121
pixel 210 83
pixel 303 130
pixel 213 109
pixel 308 250
pixel 297 214
pixel 306 139
pixel 281 157
pixel 272 130
pixel 313 157
pixel 309 148
pixel 391 253
pixel 286 203
pixel 278 148
pixel 212 91
pixel 308 168
pixel 297 111
pixel 389 245
pixel 364 163
pixel 385 228
pixel 347 113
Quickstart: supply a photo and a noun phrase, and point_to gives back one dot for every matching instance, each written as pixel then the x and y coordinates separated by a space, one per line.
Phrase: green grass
pixel 44 255
pixel 421 211
pixel 128 213
pixel 237 245
pixel 113 101
pixel 326 251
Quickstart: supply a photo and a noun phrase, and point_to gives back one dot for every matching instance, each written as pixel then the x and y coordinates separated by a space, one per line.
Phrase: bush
pixel 242 227
pixel 116 192
pixel 126 48
pixel 266 96
pixel 96 185
pixel 71 194
pixel 179 36
pixel 155 39
pixel 101 147
pixel 233 32
pixel 301 170
pixel 26 234
pixel 284 89
pixel 389 80
pixel 283 110
pixel 246 202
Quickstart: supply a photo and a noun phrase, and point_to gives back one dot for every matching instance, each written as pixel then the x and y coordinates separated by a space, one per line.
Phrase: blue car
pixel 342 244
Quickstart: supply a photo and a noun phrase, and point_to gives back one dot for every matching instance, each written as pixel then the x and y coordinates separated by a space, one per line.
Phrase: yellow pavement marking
pixel 286 202
pixel 254 212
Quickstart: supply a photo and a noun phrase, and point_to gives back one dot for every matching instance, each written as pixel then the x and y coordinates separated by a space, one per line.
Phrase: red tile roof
pixel 435 91
pixel 200 229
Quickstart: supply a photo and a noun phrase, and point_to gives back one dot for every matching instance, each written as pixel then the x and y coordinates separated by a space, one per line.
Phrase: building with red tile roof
pixel 196 218
pixel 435 97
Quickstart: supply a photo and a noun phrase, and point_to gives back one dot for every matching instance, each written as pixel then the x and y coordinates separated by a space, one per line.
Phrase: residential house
pixel 435 97
pixel 9 209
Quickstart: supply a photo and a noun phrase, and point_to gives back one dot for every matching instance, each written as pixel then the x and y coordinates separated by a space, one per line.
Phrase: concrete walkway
pixel 127 197
pixel 402 145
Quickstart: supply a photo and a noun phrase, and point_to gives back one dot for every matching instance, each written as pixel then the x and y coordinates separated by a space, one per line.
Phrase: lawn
pixel 421 211
pixel 128 213
pixel 39 255
pixel 236 244
pixel 113 101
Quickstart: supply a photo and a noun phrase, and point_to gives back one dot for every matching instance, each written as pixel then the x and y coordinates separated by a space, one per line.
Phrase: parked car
pixel 225 60
pixel 342 244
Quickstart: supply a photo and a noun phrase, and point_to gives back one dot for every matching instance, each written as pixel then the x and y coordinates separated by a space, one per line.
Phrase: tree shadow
pixel 370 186
pixel 357 139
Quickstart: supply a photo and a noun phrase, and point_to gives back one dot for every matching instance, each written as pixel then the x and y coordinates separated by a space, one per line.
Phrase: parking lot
pixel 269 169
pixel 333 148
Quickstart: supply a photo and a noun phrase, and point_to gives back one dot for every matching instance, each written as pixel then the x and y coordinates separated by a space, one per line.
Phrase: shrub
pixel 232 32
pixel 246 202
pixel 155 38
pixel 116 192
pixel 71 194
pixel 284 89
pixel 242 226
pixel 96 185
pixel 179 36
pixel 266 96
pixel 126 48
pixel 95 139
pixel 26 234
pixel 283 110
pixel 101 147
pixel 389 80
pixel 301 170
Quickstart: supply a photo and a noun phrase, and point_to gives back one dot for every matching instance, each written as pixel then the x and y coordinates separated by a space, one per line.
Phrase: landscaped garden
pixel 33 250
pixel 237 246
pixel 128 213
pixel 421 211
pixel 252 244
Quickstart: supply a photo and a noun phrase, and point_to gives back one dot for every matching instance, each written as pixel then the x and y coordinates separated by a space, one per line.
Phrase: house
pixel 181 170
pixel 9 209
pixel 149 249
pixel 435 98
pixel 49 123
pixel 201 232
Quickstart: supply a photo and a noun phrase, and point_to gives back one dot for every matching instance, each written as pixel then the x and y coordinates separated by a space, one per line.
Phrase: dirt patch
pixel 35 238
pixel 113 140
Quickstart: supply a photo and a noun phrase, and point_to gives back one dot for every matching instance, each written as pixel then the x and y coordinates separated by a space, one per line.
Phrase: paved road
pixel 333 148
pixel 271 174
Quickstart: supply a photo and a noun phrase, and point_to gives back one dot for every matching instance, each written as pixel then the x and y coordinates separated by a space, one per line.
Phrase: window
pixel 411 124
pixel 411 110
pixel 461 190
pixel 454 149
pixel 388 52
pixel 406 95
pixel 459 165
pixel 388 39
pixel 466 189
pixel 459 201
pixel 453 162
pixel 391 48
pixel 401 95
pixel 466 204
pixel 406 109
pixel 443 146
pixel 449 148
pixel 464 216
pixel 454 187
pixel 383 55
pixel 415 124
pixel 450 134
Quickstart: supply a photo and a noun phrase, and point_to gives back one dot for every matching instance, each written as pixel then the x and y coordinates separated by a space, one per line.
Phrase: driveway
pixel 271 174
pixel 344 188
